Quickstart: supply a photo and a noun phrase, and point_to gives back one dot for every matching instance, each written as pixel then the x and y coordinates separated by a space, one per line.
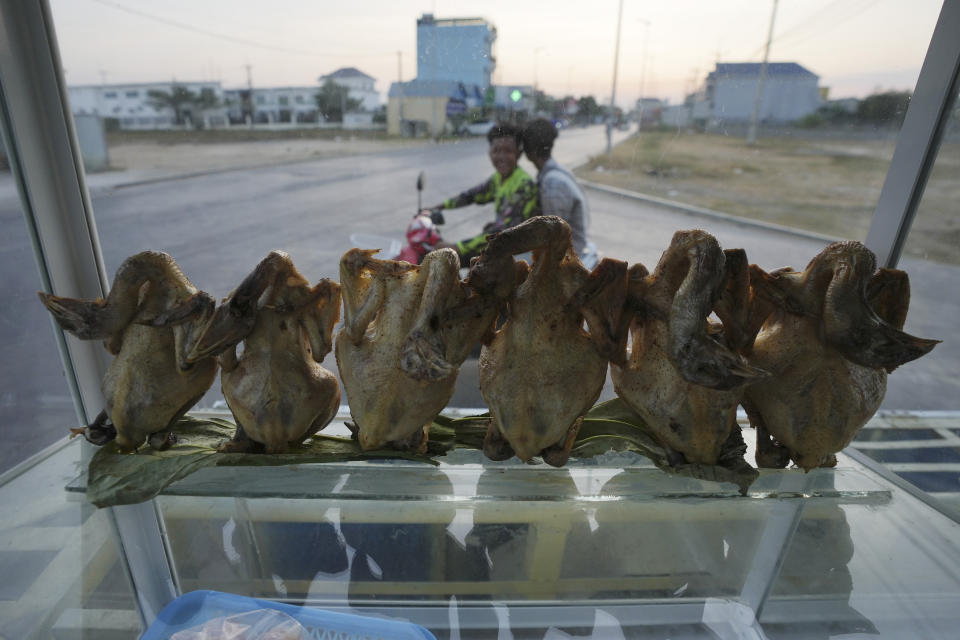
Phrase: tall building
pixel 455 49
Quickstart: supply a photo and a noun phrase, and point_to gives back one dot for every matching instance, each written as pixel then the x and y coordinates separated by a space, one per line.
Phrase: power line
pixel 234 39
pixel 812 18
pixel 852 11
pixel 801 29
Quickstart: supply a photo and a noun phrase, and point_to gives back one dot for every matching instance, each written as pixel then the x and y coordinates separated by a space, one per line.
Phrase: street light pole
pixel 536 60
pixel 613 90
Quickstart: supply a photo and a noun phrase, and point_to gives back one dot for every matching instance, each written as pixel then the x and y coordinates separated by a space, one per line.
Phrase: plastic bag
pixel 260 624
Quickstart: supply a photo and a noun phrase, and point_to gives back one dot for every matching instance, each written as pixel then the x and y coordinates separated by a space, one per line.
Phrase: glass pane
pixel 62 568
pixel 36 409
pixel 928 455
pixel 220 166
pixel 460 544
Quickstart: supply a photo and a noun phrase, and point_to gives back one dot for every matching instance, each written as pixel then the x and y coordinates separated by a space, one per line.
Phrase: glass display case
pixel 609 546
pixel 605 547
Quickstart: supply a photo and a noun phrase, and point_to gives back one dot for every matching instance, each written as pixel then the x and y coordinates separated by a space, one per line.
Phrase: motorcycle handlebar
pixel 436 215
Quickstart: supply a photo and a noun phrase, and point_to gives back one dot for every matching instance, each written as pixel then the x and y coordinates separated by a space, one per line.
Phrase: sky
pixel 857 47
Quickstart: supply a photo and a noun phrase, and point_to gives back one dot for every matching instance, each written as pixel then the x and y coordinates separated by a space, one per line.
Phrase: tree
pixel 207 100
pixel 178 98
pixel 588 109
pixel 884 108
pixel 333 100
pixel 544 103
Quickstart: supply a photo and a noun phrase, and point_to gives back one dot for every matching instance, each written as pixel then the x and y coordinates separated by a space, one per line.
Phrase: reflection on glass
pixel 815 571
pixel 524 548
pixel 59 557
pixel 36 409
pixel 925 451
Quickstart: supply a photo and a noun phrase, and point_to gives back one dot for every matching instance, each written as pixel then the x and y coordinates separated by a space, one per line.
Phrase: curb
pixel 194 174
pixel 709 213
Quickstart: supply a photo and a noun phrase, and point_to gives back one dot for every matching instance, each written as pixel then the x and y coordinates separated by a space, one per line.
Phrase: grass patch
pixel 830 186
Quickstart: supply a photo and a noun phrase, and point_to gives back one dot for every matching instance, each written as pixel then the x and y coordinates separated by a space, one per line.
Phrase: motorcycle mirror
pixel 420 180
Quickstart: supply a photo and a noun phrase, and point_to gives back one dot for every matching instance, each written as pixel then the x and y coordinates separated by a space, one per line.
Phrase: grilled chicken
pixel 683 375
pixel 148 321
pixel 406 331
pixel 277 389
pixel 832 335
pixel 542 371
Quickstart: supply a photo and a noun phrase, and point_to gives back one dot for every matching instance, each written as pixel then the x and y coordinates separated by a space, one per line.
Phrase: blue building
pixel 456 49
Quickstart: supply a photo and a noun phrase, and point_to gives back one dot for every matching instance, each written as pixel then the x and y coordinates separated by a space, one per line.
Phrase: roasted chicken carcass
pixel 406 330
pixel 832 335
pixel 684 376
pixel 277 389
pixel 150 318
pixel 542 371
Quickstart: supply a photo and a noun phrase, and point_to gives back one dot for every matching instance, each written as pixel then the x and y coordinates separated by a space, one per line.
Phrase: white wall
pixel 784 98
pixel 129 103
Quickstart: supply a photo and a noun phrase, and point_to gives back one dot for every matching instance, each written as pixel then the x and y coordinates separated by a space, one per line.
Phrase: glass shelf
pixel 605 543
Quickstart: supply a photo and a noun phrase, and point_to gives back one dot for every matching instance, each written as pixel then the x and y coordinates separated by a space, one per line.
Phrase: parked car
pixel 475 128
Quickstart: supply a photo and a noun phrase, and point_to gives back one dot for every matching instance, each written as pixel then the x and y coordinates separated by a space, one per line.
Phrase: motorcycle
pixel 422 235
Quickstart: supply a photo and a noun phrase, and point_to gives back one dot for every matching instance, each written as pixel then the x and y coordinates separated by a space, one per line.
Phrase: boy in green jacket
pixel 510 188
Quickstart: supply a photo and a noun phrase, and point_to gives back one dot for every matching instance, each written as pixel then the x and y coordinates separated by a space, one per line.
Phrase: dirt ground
pixel 830 185
pixel 159 153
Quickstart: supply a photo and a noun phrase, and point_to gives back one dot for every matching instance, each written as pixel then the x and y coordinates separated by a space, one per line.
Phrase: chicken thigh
pixel 277 389
pixel 148 321
pixel 683 375
pixel 406 331
pixel 542 371
pixel 832 335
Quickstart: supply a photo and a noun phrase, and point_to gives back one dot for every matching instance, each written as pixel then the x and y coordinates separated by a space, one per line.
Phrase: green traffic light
pixel 515 95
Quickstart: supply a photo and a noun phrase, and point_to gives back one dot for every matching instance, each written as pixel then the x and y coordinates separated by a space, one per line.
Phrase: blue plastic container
pixel 194 608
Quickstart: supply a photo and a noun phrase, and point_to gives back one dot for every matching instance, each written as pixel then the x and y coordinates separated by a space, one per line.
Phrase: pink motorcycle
pixel 422 234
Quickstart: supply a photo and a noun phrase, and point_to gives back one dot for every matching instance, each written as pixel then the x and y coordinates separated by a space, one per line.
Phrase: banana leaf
pixel 116 478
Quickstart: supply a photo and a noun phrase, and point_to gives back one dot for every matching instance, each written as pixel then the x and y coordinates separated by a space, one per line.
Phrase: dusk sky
pixel 856 46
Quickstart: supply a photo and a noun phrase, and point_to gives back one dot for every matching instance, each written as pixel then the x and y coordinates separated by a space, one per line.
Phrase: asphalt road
pixel 218 226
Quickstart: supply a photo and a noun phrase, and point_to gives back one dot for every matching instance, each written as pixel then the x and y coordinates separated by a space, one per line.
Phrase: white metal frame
pixel 919 139
pixel 45 159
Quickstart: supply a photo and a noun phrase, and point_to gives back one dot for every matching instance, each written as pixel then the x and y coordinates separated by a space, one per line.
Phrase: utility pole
pixel 249 110
pixel 761 81
pixel 613 90
pixel 400 90
pixel 643 72
pixel 536 60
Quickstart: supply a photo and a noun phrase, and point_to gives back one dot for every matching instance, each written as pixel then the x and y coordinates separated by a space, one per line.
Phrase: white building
pixel 790 92
pixel 272 104
pixel 359 86
pixel 132 108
